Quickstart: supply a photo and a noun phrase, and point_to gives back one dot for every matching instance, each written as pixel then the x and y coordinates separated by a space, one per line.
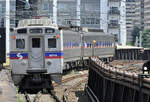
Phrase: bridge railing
pixel 105 81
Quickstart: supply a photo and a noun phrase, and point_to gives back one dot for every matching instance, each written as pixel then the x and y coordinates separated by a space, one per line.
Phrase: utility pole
pixel 49 2
pixel 78 12
pixel 55 11
pixel 136 41
pixel 7 18
pixel 140 44
pixel 39 7
pixel 123 35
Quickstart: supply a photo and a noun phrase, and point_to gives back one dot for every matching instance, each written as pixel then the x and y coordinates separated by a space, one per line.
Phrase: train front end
pixel 36 55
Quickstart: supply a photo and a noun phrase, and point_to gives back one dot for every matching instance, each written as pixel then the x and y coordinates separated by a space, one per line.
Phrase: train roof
pixel 36 22
pixel 97 33
pixel 86 33
pixel 128 47
pixel 37 27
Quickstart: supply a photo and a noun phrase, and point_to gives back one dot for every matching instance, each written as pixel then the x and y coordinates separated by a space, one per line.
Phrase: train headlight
pixel 145 68
pixel 49 63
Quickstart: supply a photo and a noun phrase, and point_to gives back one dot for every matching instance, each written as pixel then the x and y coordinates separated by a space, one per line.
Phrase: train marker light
pixel 13 37
pixel 58 36
pixel 94 42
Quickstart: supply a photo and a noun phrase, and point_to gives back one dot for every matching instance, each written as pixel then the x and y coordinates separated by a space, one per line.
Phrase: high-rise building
pixel 22 10
pixel 130 16
pixel 3 11
pixel 142 19
pixel 139 14
pixel 116 20
pixel 108 15
pixel 87 12
pixel 146 14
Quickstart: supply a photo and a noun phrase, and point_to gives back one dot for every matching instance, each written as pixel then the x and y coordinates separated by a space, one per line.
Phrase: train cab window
pixel 36 30
pixel 51 43
pixel 35 42
pixel 20 43
pixel 49 30
pixel 22 31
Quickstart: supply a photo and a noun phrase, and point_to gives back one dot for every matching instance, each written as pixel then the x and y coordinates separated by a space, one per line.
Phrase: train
pixel 40 51
pixel 2 47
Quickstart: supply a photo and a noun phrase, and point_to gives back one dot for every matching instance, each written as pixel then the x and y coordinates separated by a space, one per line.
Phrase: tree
pixel 135 33
pixel 146 39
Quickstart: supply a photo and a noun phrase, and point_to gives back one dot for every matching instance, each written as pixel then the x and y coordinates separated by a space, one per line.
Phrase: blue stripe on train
pixel 18 55
pixel 54 54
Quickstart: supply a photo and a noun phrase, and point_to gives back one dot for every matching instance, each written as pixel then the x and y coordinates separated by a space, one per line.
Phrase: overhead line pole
pixel 7 18
pixel 78 13
pixel 55 11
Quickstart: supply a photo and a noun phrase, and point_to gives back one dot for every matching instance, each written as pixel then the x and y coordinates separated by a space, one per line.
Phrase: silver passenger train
pixel 40 51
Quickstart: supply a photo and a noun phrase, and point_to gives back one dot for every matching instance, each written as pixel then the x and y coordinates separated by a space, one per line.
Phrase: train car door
pixel 36 56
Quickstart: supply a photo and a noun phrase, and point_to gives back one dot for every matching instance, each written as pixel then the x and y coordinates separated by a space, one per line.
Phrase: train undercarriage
pixel 34 83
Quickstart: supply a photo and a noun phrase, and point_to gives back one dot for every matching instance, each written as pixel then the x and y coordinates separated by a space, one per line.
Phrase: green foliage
pixel 135 33
pixel 20 100
pixel 129 43
pixel 18 96
pixel 146 38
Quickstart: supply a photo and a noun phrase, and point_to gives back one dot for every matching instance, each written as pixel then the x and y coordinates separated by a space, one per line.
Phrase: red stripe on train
pixel 17 58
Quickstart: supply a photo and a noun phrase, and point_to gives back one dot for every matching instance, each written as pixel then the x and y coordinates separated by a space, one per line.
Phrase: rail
pixel 65 99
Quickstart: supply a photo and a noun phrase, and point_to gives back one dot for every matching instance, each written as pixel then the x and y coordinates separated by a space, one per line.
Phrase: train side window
pixel 20 43
pixel 51 43
pixel 35 42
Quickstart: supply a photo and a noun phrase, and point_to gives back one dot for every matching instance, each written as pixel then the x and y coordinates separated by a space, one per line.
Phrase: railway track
pixel 35 98
pixel 69 83
pixel 65 99
pixel 70 78
pixel 128 66
pixel 53 95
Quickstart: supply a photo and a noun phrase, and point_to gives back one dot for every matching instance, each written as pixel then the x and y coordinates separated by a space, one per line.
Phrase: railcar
pixel 40 51
pixel 79 46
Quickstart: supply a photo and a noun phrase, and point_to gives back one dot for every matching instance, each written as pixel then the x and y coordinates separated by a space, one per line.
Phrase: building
pixel 139 14
pixel 130 16
pixel 116 20
pixel 87 12
pixel 146 14
pixel 90 13
pixel 7 17
pixel 108 15
pixel 142 19
pixel 22 10
pixel 3 15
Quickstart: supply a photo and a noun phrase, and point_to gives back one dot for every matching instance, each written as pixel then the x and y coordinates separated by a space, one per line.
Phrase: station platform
pixel 7 90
